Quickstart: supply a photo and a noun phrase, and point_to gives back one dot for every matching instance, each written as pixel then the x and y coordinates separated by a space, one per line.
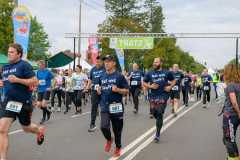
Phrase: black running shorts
pixel 43 96
pixel 174 94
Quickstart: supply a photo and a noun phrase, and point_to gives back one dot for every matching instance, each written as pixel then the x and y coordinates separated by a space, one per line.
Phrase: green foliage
pixel 6 25
pixel 68 50
pixel 39 43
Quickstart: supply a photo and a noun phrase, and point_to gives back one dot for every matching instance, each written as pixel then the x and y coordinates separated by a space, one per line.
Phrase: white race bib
pixel 175 88
pixel 116 108
pixel 76 87
pixel 134 83
pixel 96 86
pixel 198 84
pixel 42 82
pixel 206 87
pixel 14 106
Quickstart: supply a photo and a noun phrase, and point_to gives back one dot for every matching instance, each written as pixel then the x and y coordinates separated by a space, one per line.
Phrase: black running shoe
pixel 65 112
pixel 43 121
pixel 92 128
pixel 77 112
pixel 80 111
pixel 172 111
pixel 40 138
pixel 186 104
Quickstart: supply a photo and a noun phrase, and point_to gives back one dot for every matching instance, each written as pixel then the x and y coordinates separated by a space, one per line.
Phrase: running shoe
pixel 134 111
pixel 97 113
pixel 52 110
pixel 77 112
pixel 59 109
pixel 49 115
pixel 80 111
pixel 40 138
pixel 108 145
pixel 173 111
pixel 157 138
pixel 43 121
pixel 204 106
pixel 65 112
pixel 117 152
pixel 92 128
pixel 186 104
pixel 151 115
pixel 175 114
pixel 69 108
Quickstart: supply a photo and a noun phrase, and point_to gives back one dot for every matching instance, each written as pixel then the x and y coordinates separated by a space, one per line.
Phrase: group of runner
pixel 107 89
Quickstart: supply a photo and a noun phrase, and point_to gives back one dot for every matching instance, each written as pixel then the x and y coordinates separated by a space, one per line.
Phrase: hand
pixel 168 88
pixel 183 84
pixel 1 83
pixel 154 86
pixel 132 73
pixel 238 115
pixel 35 90
pixel 13 79
pixel 114 88
pixel 145 94
pixel 99 90
pixel 85 90
pixel 192 89
pixel 49 89
pixel 69 88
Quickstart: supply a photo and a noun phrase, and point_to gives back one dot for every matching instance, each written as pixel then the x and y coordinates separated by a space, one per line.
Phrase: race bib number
pixel 134 83
pixel 198 84
pixel 76 87
pixel 206 88
pixel 14 106
pixel 42 82
pixel 116 108
pixel 96 86
pixel 175 88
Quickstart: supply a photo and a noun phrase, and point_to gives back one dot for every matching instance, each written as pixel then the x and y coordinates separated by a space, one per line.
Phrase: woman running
pixel 194 79
pixel 80 84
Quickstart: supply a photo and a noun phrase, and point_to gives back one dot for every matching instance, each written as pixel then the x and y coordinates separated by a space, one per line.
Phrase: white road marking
pixel 81 114
pixel 149 140
pixel 139 139
pixel 15 131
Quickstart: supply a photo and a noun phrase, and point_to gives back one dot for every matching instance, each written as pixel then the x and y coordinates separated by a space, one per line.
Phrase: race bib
pixel 150 90
pixel 76 87
pixel 14 106
pixel 96 86
pixel 175 88
pixel 206 88
pixel 63 89
pixel 134 83
pixel 42 82
pixel 198 84
pixel 116 108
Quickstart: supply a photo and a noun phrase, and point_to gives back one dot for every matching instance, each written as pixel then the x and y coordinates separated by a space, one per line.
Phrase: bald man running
pixel 135 76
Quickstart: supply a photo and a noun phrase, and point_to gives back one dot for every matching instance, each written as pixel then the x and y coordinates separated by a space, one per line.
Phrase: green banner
pixel 131 43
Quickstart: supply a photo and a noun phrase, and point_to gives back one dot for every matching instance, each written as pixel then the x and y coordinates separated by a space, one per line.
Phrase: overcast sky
pixel 185 16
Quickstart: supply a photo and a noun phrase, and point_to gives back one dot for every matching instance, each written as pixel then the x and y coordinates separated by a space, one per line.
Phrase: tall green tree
pixel 6 25
pixel 39 43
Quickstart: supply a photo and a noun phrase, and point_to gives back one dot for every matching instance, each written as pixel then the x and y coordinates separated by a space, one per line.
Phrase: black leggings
pixel 78 97
pixel 59 95
pixel 185 96
pixel 199 92
pixel 135 92
pixel 117 125
pixel 69 98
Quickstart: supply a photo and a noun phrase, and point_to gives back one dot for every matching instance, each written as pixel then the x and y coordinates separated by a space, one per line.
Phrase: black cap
pixel 109 57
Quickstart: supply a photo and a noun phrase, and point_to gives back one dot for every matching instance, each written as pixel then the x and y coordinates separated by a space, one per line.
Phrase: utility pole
pixel 15 5
pixel 237 51
pixel 79 39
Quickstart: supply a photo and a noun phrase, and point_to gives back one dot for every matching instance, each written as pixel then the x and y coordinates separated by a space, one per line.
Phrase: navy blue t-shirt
pixel 95 73
pixel 205 83
pixel 45 76
pixel 179 77
pixel 187 80
pixel 16 91
pixel 108 96
pixel 135 80
pixel 161 78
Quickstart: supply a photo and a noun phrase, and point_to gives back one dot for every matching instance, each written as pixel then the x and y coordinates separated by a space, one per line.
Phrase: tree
pixel 38 43
pixel 6 27
pixel 68 50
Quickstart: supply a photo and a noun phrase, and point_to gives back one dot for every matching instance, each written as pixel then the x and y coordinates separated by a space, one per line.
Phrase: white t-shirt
pixel 68 81
pixel 57 86
pixel 78 81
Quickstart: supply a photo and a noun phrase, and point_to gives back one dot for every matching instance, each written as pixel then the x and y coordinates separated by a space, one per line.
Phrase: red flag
pixel 93 42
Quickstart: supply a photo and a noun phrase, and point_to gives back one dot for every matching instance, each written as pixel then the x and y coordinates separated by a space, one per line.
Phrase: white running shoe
pixel 59 109
pixel 52 109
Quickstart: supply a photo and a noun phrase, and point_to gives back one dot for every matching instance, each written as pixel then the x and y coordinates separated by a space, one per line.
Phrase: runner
pixel 69 91
pixel 231 111
pixel 216 79
pixel 124 99
pixel 170 69
pixel 135 76
pixel 44 76
pixel 57 89
pixel 158 79
pixel 18 76
pixel 95 98
pixel 175 91
pixel 186 87
pixel 206 80
pixel 194 80
pixel 63 86
pixel 113 86
pixel 199 87
pixel 80 84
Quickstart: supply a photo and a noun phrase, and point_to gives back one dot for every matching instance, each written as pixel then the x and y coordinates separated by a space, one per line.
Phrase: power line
pixel 94 8
pixel 97 3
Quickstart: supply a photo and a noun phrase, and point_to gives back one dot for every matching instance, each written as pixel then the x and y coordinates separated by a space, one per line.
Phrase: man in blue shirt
pixel 158 79
pixel 44 76
pixel 18 75
pixel 186 87
pixel 112 87
pixel 95 98
pixel 206 88
pixel 175 91
pixel 135 76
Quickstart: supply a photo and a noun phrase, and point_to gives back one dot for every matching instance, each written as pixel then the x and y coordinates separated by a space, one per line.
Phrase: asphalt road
pixel 195 133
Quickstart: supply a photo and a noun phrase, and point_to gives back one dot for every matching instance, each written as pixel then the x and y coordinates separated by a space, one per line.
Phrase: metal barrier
pixel 221 91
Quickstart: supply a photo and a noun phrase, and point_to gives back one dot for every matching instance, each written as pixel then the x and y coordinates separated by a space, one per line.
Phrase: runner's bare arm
pixel 119 90
pixel 183 82
pixel 234 102
pixel 89 83
pixel 54 82
pixel 27 82
pixel 129 77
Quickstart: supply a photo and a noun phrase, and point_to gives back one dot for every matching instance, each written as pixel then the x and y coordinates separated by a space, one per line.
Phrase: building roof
pixel 71 55
pixel 89 61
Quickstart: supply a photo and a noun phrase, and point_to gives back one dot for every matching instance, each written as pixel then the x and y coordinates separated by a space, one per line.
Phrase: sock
pixel 44 112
